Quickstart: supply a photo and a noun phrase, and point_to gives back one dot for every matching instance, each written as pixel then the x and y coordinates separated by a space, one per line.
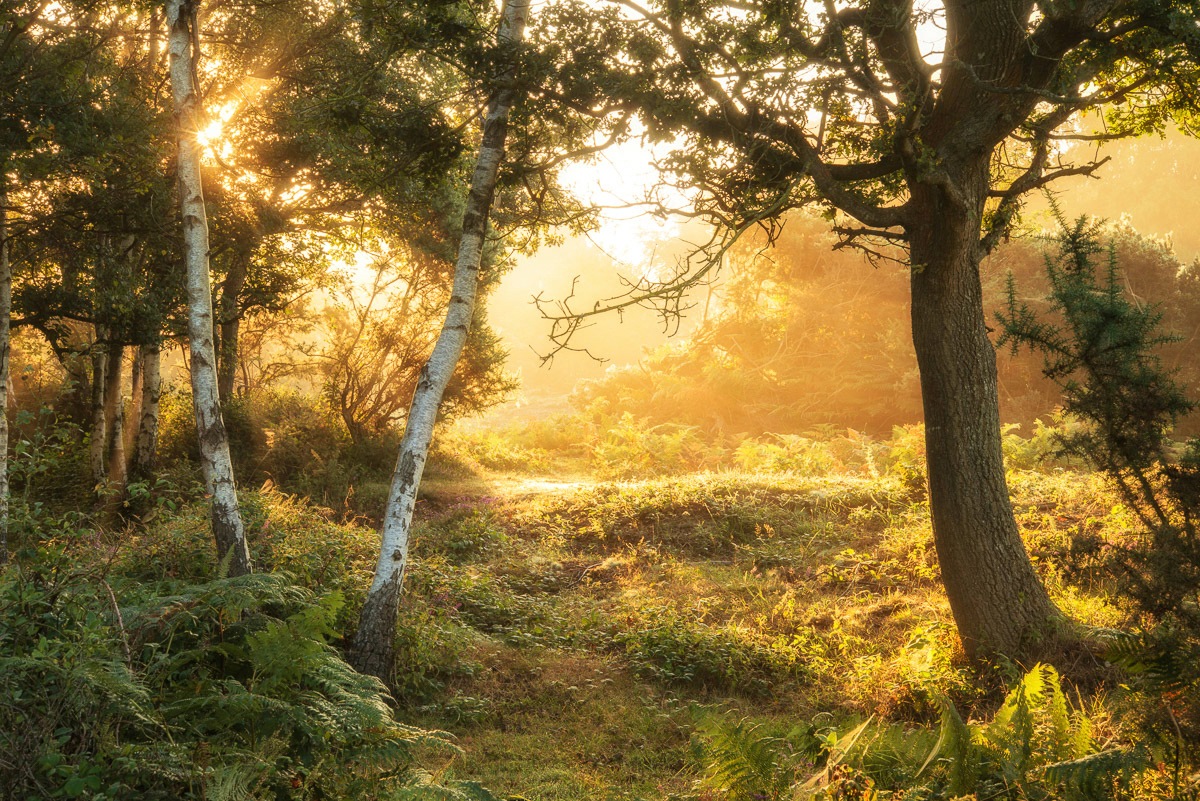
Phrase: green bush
pixel 631 448
pixel 226 689
pixel 662 645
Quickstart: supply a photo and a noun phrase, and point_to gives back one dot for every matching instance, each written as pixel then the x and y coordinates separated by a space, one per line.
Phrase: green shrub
pixel 785 453
pixel 226 689
pixel 490 450
pixel 663 645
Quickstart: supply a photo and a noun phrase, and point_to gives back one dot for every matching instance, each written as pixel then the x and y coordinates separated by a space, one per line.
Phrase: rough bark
pixel 146 451
pixel 215 461
pixel 998 601
pixel 374 643
pixel 5 327
pixel 227 362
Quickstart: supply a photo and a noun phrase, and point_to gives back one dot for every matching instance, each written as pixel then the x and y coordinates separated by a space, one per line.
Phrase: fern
pixel 1034 747
pixel 225 690
pixel 1095 776
pixel 744 762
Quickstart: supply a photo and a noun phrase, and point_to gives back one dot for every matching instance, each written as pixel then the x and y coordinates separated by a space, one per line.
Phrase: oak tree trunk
pixel 210 426
pixel 374 643
pixel 998 601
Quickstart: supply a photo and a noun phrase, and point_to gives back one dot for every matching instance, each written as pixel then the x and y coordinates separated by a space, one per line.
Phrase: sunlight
pixel 625 183
pixel 211 133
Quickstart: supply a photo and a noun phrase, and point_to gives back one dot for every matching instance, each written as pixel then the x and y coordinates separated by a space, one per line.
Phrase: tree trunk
pixel 114 419
pixel 210 427
pixel 374 643
pixel 998 601
pixel 135 404
pixel 146 452
pixel 97 446
pixel 5 331
pixel 227 362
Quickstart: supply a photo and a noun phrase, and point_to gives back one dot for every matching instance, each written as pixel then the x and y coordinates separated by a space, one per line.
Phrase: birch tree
pixel 183 45
pixel 374 643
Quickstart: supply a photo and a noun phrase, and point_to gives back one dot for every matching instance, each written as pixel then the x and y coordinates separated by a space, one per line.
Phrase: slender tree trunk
pixel 374 643
pixel 135 403
pixel 998 601
pixel 97 446
pixel 114 418
pixel 210 427
pixel 5 330
pixel 227 362
pixel 146 452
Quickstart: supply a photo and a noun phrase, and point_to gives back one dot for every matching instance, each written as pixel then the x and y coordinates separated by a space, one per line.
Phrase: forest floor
pixel 574 635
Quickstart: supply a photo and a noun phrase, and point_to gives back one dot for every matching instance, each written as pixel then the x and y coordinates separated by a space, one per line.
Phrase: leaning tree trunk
pixel 998 601
pixel 210 427
pixel 5 331
pixel 145 452
pixel 374 642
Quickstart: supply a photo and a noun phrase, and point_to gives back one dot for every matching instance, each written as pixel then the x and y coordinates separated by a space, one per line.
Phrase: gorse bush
pixel 1102 349
pixel 1104 352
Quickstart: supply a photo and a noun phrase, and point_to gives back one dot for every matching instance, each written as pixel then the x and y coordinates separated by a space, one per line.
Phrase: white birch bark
pixel 5 331
pixel 374 642
pixel 210 426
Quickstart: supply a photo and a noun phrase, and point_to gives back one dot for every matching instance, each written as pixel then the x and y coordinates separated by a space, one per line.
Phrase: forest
pixel 670 400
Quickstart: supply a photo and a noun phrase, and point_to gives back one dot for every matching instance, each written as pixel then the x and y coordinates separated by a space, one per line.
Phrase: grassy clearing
pixel 571 635
pixel 579 637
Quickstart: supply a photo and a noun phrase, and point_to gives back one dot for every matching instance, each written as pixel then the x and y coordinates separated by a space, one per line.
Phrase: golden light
pixel 211 133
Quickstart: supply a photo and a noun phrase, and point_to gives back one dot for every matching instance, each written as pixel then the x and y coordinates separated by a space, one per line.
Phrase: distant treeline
pixel 804 336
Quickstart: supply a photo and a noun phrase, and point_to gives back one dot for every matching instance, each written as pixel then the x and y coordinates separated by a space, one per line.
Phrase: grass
pixel 592 622
pixel 571 633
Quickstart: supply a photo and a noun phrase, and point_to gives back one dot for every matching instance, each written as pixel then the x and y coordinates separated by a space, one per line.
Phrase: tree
pixel 215 461
pixel 904 140
pixel 45 100
pixel 380 335
pixel 374 642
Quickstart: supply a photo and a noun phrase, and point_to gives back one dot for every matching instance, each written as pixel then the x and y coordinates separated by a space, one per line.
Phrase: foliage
pixel 667 646
pixel 1103 349
pixel 801 337
pixel 1034 747
pixel 379 338
pixel 227 689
